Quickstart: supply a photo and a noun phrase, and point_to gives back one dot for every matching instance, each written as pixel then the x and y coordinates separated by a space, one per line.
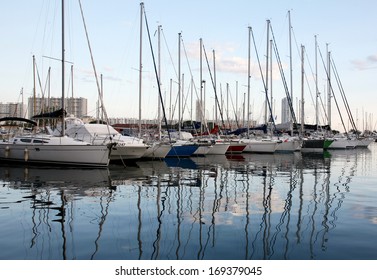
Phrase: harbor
pixel 224 133
pixel 282 206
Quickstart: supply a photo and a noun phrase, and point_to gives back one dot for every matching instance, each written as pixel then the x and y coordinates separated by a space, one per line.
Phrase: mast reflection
pixel 254 206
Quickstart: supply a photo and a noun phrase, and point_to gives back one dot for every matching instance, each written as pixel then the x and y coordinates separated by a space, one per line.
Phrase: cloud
pixel 226 60
pixel 369 62
pixel 87 75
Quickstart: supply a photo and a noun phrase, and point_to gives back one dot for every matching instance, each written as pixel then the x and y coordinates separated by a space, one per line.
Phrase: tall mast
pixel 192 97
pixel 63 74
pixel 316 83
pixel 291 69
pixel 159 79
pixel 328 86
pixel 170 102
pixel 237 111
pixel 267 57
pixel 214 81
pixel 302 90
pixel 102 115
pixel 49 90
pixel 22 103
pixel 201 84
pixel 34 89
pixel 272 107
pixel 227 104
pixel 140 62
pixel 248 85
pixel 72 103
pixel 179 84
pixel 204 106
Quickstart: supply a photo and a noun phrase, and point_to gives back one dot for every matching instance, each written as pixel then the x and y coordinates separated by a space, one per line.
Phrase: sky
pixel 345 28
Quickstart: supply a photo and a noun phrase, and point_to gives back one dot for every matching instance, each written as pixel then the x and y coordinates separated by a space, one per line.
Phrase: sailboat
pixel 62 150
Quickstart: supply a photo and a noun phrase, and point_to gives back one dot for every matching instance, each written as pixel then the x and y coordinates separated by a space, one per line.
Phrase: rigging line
pixel 171 58
pixel 45 23
pixel 157 76
pixel 332 91
pixel 234 109
pixel 308 62
pixel 191 86
pixel 306 77
pixel 288 95
pixel 310 91
pixel 194 86
pixel 343 94
pixel 185 98
pixel 94 67
pixel 289 99
pixel 223 105
pixel 264 82
pixel 185 104
pixel 40 86
pixel 214 87
pixel 324 117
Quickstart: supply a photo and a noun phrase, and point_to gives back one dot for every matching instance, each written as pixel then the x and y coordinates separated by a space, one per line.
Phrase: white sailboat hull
pixel 340 143
pixel 289 146
pixel 75 155
pixel 130 151
pixel 364 142
pixel 202 150
pixel 157 150
pixel 218 149
pixel 259 146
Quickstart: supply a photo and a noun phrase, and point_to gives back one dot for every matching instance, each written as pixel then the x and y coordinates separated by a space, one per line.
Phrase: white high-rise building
pixel 199 112
pixel 12 110
pixel 285 112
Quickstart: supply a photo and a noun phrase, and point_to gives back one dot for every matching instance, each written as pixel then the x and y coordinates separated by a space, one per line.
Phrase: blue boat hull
pixel 182 150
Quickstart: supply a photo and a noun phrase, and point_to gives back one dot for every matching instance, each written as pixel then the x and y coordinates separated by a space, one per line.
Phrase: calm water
pixel 288 206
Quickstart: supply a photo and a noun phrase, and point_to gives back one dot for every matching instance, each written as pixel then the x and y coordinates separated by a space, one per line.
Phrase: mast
pixel 248 85
pixel 291 69
pixel 272 107
pixel 72 102
pixel 34 88
pixel 214 81
pixel 316 83
pixel 159 79
pixel 63 70
pixel 267 57
pixel 170 102
pixel 22 102
pixel 204 105
pixel 49 90
pixel 328 86
pixel 192 97
pixel 237 109
pixel 227 104
pixel 140 62
pixel 243 109
pixel 179 84
pixel 102 117
pixel 302 90
pixel 201 84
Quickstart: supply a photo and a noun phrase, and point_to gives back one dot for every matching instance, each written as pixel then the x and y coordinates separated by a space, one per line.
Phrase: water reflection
pixel 267 206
